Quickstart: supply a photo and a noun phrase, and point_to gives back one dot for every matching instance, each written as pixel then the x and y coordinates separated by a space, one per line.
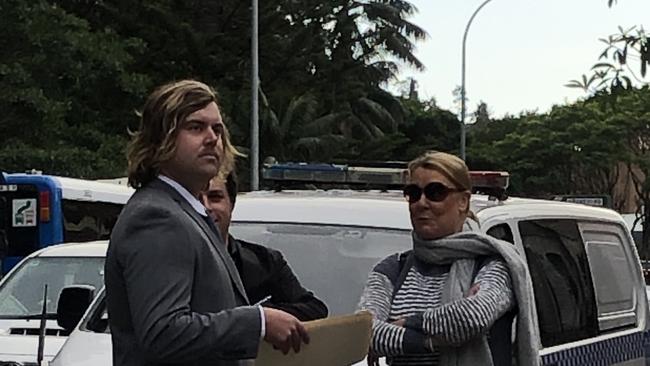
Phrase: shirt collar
pixel 193 201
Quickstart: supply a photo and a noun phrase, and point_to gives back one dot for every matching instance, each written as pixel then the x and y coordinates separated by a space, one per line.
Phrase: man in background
pixel 265 273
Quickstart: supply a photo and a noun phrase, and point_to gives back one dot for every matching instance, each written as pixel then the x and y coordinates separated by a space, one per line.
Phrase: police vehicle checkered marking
pixel 603 353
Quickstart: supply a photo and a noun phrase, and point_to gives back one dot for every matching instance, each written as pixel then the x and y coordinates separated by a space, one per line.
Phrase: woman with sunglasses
pixel 436 304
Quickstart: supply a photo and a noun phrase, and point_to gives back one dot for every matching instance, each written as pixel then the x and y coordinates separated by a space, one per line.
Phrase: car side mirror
pixel 73 303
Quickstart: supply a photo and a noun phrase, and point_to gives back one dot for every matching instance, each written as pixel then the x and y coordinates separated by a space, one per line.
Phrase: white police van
pixel 588 286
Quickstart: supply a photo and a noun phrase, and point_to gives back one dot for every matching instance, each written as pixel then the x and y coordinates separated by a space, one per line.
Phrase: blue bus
pixel 41 210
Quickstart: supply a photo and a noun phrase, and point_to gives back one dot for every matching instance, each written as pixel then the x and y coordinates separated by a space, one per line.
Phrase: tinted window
pixel 564 294
pixel 331 261
pixel 612 272
pixel 86 221
pixel 97 321
pixel 501 231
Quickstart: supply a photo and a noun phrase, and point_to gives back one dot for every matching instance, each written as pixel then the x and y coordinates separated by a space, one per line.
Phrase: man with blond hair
pixel 173 294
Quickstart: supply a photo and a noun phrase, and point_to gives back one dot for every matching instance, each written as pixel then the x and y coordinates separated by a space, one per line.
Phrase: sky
pixel 520 53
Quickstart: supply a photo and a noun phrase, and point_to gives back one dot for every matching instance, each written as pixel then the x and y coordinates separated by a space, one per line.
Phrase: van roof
pixel 78 189
pixel 87 249
pixel 525 208
pixel 386 209
pixel 94 191
pixel 324 207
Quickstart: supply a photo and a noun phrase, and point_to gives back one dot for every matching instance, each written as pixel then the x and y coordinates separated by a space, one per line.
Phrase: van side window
pixel 86 221
pixel 564 295
pixel 615 281
pixel 501 231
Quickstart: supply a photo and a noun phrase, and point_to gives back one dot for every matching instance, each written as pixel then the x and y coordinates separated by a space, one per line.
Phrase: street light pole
pixel 255 131
pixel 462 85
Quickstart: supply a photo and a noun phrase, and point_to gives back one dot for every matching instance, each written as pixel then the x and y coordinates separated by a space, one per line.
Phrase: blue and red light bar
pixel 375 175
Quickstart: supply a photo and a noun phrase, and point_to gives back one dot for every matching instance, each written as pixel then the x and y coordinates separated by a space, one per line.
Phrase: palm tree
pixel 299 133
pixel 366 40
pixel 341 53
pixel 377 32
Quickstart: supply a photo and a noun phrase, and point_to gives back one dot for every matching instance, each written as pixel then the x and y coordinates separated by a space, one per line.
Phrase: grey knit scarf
pixel 460 250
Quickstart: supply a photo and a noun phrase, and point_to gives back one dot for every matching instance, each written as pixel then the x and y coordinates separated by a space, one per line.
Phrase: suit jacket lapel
pixel 214 240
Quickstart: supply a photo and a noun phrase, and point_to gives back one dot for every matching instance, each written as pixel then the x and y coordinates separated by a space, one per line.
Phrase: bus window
pixel 86 221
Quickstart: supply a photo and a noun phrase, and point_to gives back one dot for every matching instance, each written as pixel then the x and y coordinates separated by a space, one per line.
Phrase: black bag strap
pixel 500 334
pixel 405 262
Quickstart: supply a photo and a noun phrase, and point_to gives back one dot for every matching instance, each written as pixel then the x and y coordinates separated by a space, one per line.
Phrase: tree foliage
pixel 623 63
pixel 66 90
pixel 322 64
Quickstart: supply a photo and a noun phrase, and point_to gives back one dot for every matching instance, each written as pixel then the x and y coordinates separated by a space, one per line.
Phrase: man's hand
pixel 399 322
pixel 284 331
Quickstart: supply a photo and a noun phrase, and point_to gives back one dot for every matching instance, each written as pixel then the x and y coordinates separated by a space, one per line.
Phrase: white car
pixel 587 277
pixel 22 291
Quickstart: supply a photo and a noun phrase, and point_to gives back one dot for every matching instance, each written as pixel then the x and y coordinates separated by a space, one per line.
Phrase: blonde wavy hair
pixel 155 141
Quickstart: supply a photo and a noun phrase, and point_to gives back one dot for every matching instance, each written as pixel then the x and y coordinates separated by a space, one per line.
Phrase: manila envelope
pixel 335 341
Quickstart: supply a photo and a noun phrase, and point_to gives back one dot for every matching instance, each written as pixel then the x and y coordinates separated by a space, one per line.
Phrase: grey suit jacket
pixel 173 294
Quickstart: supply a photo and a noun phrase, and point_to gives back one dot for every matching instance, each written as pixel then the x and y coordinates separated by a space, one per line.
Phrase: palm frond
pixel 270 121
pixel 299 110
pixel 376 113
pixel 321 148
pixel 322 125
pixel 401 47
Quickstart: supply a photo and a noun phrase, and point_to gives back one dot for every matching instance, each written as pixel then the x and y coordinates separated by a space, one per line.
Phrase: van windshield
pixel 333 261
pixel 21 294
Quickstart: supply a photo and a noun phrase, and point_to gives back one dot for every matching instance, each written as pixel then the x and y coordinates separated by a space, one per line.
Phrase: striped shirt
pixel 429 323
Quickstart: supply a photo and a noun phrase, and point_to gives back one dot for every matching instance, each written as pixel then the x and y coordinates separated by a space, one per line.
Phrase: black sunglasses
pixel 434 191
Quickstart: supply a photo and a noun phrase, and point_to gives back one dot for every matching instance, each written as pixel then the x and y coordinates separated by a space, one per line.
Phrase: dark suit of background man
pixel 173 294
pixel 263 271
